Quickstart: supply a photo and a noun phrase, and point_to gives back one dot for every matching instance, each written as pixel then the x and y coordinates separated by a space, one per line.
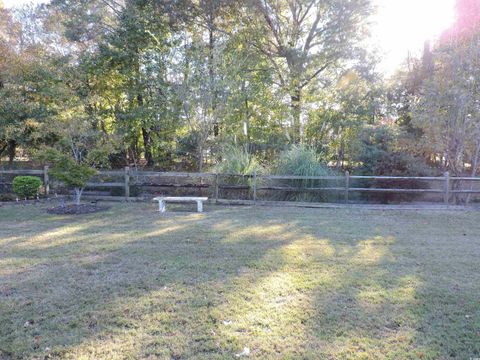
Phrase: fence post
pixel 446 196
pixel 347 185
pixel 216 188
pixel 254 187
pixel 127 182
pixel 46 180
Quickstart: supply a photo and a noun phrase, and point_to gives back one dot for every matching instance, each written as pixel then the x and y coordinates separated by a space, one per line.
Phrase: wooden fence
pixel 446 182
pixel 343 184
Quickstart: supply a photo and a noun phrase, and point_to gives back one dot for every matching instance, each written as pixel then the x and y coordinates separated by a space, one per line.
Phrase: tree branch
pixel 313 31
pixel 315 74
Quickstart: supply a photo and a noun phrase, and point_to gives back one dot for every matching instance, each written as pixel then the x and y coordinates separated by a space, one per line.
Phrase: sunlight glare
pixel 402 26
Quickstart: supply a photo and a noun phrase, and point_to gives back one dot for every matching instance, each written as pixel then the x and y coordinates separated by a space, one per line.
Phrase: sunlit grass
pixel 285 283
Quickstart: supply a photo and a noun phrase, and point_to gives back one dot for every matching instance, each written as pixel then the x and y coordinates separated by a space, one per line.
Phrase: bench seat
pixel 179 199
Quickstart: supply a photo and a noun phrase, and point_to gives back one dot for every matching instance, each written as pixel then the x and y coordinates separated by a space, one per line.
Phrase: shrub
pixel 237 161
pixel 378 156
pixel 300 160
pixel 399 164
pixel 26 186
pixel 72 174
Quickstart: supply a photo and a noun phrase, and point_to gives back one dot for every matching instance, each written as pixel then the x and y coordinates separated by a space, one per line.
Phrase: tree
pixel 65 169
pixel 379 152
pixel 14 107
pixel 73 175
pixel 202 87
pixel 80 148
pixel 305 39
pixel 343 111
pixel 252 115
pixel 467 21
pixel 448 108
pixel 174 82
pixel 31 74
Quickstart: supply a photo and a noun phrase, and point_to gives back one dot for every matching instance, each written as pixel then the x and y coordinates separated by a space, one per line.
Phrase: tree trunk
pixel 147 144
pixel 147 139
pixel 211 69
pixel 340 155
pixel 200 158
pixel 134 152
pixel 78 195
pixel 247 122
pixel 11 151
pixel 295 105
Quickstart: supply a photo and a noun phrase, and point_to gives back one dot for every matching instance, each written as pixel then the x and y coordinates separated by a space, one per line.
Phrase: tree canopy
pixel 172 84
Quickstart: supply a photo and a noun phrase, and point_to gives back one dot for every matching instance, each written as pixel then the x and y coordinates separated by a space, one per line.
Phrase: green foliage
pixel 236 160
pixel 72 174
pixel 301 160
pixel 168 86
pixel 100 155
pixel 153 84
pixel 373 145
pixel 26 186
pixel 378 153
pixel 345 109
pixel 447 109
pixel 379 156
pixel 65 169
pixel 300 33
pixel 24 89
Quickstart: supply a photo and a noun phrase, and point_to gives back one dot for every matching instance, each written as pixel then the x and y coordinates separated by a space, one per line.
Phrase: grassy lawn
pixel 284 282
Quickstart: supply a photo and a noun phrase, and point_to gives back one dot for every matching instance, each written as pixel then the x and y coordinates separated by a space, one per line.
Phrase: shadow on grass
pixel 129 283
pixel 99 278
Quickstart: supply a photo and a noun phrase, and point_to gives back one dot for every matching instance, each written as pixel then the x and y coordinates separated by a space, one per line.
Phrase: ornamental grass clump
pixel 237 168
pixel 301 160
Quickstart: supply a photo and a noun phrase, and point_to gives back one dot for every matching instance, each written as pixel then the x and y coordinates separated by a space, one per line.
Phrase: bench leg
pixel 161 206
pixel 199 206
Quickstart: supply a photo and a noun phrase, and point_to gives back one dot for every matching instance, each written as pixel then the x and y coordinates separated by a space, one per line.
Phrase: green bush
pixel 66 169
pixel 300 160
pixel 399 164
pixel 26 186
pixel 378 156
pixel 236 160
pixel 240 165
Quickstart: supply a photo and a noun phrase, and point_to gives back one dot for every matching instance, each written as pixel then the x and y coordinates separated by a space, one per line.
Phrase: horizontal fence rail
pixel 22 172
pixel 255 183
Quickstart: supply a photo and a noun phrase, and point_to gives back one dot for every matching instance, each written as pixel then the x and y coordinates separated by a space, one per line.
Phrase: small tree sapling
pixel 77 154
pixel 65 169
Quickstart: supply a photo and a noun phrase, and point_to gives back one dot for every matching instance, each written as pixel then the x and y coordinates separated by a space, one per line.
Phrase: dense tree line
pixel 173 84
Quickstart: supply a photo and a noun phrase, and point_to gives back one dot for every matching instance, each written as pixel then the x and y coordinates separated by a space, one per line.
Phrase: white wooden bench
pixel 162 201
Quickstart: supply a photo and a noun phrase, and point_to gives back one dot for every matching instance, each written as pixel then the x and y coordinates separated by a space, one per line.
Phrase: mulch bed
pixel 76 209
